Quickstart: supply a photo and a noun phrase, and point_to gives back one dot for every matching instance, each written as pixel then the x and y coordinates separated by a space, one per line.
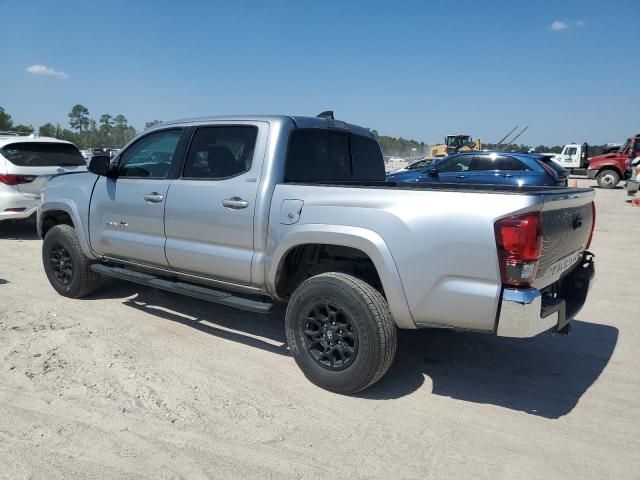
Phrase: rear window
pixel 30 154
pixel 318 155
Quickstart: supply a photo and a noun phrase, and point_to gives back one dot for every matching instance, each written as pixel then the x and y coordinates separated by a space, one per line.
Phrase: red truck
pixel 610 168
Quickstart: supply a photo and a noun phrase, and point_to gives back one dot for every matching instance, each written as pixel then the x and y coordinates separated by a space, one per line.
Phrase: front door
pixel 210 209
pixel 453 169
pixel 127 213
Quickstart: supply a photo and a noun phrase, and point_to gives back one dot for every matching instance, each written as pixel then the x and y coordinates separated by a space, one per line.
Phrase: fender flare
pixel 69 207
pixel 610 166
pixel 367 241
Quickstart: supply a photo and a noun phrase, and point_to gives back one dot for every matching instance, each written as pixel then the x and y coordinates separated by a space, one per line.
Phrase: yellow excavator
pixel 454 144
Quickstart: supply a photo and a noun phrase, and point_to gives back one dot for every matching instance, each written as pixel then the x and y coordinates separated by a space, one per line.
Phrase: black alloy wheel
pixel 330 336
pixel 61 264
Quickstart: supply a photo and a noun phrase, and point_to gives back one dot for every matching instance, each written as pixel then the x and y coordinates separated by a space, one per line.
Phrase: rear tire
pixel 340 332
pixel 67 267
pixel 608 179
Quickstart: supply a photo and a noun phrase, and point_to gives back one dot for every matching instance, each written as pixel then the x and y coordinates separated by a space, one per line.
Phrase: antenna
pixel 326 114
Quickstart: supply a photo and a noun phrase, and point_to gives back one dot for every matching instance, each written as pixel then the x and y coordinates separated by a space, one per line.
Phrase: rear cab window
pixel 324 156
pixel 43 154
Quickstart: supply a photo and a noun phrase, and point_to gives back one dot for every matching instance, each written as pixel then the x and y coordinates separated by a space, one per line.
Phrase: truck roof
pixel 298 121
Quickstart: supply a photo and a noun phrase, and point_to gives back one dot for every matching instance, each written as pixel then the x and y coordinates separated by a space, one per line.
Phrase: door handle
pixel 235 203
pixel 461 177
pixel 507 175
pixel 153 197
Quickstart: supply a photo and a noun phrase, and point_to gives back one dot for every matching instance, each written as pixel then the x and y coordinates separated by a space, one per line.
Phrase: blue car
pixel 489 167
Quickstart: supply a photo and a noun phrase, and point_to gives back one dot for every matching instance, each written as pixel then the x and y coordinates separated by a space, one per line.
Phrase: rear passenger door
pixel 127 213
pixel 209 212
pixel 492 168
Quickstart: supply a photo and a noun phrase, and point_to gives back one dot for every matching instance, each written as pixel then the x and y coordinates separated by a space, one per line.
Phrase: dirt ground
pixel 136 383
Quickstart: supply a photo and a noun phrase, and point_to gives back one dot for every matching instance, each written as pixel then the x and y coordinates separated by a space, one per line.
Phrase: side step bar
pixel 203 293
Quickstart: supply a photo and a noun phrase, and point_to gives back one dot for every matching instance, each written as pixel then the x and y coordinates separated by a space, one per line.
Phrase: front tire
pixel 340 332
pixel 67 267
pixel 608 179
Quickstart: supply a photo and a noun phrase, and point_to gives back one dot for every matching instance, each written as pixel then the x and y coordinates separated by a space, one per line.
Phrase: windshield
pixel 31 154
pixel 624 147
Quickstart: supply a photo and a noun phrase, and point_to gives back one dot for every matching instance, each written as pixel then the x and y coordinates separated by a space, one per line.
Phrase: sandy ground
pixel 136 383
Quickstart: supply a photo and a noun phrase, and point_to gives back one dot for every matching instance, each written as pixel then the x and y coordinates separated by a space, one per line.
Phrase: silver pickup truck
pixel 250 210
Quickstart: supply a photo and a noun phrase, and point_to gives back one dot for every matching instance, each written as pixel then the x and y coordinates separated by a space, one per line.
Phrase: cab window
pixel 151 156
pixel 220 152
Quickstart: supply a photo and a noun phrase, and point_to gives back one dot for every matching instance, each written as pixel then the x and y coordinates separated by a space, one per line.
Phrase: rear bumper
pixel 15 205
pixel 592 173
pixel 527 312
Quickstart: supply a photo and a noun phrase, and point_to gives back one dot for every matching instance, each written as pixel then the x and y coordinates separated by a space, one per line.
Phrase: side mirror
pixel 100 165
pixel 432 172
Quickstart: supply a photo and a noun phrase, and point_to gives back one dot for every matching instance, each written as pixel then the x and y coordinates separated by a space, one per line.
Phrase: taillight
pixel 548 169
pixel 593 224
pixel 10 179
pixel 519 242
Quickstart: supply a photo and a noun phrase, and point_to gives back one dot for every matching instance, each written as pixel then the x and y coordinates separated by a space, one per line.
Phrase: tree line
pixel 114 132
pixel 108 131
pixel 402 147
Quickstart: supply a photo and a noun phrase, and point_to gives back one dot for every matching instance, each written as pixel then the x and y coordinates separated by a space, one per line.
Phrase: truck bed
pixel 458 187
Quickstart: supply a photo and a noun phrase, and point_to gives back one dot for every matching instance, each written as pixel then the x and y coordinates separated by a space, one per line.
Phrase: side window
pixel 571 151
pixel 151 156
pixel 220 152
pixel 498 162
pixel 456 163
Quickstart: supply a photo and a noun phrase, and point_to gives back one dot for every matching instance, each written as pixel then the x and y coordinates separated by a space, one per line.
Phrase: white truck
pixel 574 157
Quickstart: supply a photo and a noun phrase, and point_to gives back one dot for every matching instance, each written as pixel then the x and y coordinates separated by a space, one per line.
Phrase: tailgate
pixel 567 221
pixel 37 161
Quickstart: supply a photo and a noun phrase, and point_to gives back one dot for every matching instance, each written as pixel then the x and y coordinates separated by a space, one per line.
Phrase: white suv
pixel 26 164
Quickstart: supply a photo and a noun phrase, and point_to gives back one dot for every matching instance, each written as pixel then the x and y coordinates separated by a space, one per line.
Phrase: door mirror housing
pixel 99 165
pixel 432 172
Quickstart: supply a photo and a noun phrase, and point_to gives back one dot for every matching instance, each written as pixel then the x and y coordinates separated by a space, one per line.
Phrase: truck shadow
pixel 19 230
pixel 543 376
pixel 259 331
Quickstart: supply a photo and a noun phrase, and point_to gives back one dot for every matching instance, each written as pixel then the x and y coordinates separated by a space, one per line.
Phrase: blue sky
pixel 414 69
